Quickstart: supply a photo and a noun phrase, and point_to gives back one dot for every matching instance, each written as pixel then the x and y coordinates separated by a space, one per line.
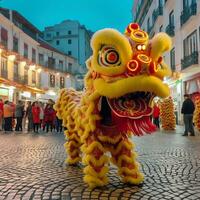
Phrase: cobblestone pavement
pixel 32 167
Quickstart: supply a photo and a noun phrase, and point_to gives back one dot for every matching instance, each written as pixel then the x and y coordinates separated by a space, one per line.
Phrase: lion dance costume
pixel 125 73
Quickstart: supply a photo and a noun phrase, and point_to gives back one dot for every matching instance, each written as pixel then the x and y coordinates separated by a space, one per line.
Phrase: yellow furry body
pixel 89 140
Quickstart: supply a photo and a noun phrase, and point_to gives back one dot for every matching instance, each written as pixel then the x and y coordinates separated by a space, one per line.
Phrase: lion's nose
pixel 141 64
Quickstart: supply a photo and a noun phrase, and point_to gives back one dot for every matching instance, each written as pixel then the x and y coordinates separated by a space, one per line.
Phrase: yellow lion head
pixel 126 72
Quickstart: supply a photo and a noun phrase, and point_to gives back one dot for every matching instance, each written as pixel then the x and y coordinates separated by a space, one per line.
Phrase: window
pixel 33 55
pixel 57 33
pixel 69 32
pixel 51 62
pixel 190 44
pixel 185 4
pixel 148 24
pixel 57 42
pixel 70 67
pixel 172 59
pixel 161 28
pixel 69 41
pixel 4 68
pixel 15 71
pixel 4 37
pixel 48 35
pixel 69 53
pixel 26 74
pixel 25 50
pixel 61 64
pixel 15 44
pixel 52 80
pixel 171 18
pixel 41 59
pixel 160 3
pixel 33 77
pixel 62 82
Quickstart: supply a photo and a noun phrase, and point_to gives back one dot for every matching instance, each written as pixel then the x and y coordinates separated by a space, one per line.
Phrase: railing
pixel 188 12
pixel 158 11
pixel 4 74
pixel 170 30
pixel 21 79
pixel 73 71
pixel 190 60
pixel 4 43
pixel 173 67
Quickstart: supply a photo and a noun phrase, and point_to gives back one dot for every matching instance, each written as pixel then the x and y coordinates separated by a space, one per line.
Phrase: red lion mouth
pixel 129 113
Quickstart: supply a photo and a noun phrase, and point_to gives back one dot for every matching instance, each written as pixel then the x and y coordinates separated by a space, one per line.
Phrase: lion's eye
pixel 108 56
pixel 139 47
pixel 143 47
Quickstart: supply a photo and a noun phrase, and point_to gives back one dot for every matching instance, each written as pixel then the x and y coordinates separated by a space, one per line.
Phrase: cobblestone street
pixel 32 167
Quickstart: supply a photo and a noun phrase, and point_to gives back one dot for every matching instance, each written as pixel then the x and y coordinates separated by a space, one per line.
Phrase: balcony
pixel 187 13
pixel 21 79
pixel 158 11
pixel 190 60
pixel 170 30
pixel 4 74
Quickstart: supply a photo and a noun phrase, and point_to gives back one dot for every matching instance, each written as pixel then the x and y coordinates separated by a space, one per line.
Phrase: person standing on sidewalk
pixel 8 115
pixel 187 110
pixel 156 115
pixel 19 112
pixel 1 114
pixel 29 115
pixel 36 116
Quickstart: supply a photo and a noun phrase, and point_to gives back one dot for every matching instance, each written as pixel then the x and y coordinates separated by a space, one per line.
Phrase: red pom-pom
pixel 135 26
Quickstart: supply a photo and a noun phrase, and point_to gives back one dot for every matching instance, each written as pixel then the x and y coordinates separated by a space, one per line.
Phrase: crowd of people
pixel 36 116
pixel 31 116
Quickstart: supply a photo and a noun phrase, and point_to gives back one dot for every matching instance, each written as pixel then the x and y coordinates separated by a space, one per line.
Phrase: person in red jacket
pixel 49 117
pixel 36 116
pixel 156 115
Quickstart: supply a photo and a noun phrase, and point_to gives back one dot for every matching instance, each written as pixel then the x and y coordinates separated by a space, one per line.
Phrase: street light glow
pixel 39 70
pixel 32 67
pixel 11 57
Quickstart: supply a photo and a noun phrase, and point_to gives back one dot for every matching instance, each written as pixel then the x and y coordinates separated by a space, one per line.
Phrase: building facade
pixel 181 20
pixel 71 38
pixel 30 68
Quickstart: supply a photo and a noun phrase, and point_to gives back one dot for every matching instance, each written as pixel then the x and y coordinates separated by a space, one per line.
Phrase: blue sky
pixel 94 14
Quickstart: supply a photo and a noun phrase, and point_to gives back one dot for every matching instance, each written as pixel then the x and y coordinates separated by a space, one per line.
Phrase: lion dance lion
pixel 124 74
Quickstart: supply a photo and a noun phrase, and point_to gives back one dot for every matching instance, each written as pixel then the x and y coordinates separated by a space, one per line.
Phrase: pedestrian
pixel 187 110
pixel 156 115
pixel 59 125
pixel 41 105
pixel 8 115
pixel 12 104
pixel 1 114
pixel 29 115
pixel 19 112
pixel 36 116
pixel 49 117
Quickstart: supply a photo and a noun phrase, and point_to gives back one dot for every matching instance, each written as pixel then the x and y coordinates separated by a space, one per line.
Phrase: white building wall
pixel 181 32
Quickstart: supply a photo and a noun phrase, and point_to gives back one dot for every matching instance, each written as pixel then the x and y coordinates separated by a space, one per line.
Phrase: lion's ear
pixel 160 43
